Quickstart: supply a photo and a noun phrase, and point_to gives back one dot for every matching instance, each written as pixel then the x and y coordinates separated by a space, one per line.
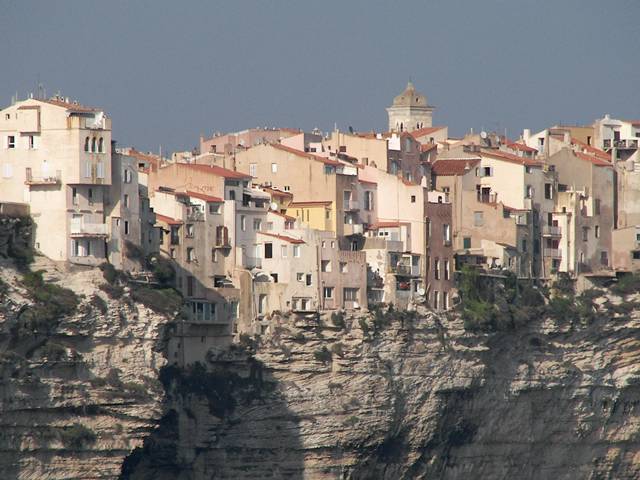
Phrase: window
pixel 368 200
pixel 445 300
pixel 126 200
pixel 596 231
pixel 436 297
pixel 604 258
pixel 327 214
pixel 189 230
pixel 11 141
pixel 446 268
pixel 175 235
pixel 253 169
pixel 308 282
pixel 436 268
pixel 93 144
pixel 528 169
pixel 101 145
pixel 487 171
pixel 127 175
pixel 232 194
pixel 191 256
pixel 86 144
pixel 343 149
pixel 478 219
pixel 343 267
pixel 300 277
pixel 262 303
pixel 287 188
pixel 74 196
pixel 548 191
pixel 274 168
pixel 257 224
pixel 296 251
pixel 529 191
pixel 350 294
pixel 524 244
pixel 90 196
pixel 100 170
pixel 446 233
pixel 328 169
pixel 327 292
pixel 325 266
pixel 7 116
pixel 268 250
pixel 214 208
pixel 323 244
pixel 413 199
pixel 126 227
pixel 635 254
pixel 333 244
pixel 596 206
pixel 214 255
pixel 243 223
pixel 466 242
pixel 32 143
pixel 585 234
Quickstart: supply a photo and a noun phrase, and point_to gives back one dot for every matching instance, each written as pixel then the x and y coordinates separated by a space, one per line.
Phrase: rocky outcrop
pixel 403 396
pixel 78 393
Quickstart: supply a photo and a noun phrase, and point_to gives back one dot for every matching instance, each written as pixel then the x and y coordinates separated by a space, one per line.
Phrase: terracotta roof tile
pixel 591 150
pixel 520 147
pixel 309 156
pixel 425 131
pixel 595 160
pixel 283 237
pixel 206 198
pixel 167 220
pixel 453 167
pixel 509 157
pixel 317 203
pixel 74 107
pixel 214 170
pixel 287 217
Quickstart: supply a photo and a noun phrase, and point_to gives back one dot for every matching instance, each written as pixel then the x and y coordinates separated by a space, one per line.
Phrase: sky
pixel 168 71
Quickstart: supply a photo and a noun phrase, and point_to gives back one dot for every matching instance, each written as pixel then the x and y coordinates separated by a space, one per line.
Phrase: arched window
pixel 93 144
pixel 101 145
pixel 401 126
pixel 86 144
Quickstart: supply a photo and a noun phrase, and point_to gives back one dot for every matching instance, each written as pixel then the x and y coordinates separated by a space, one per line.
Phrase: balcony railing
pixel 43 178
pixel 195 215
pixel 89 230
pixel 551 231
pixel 351 205
pixel 552 253
pixel 408 270
pixel 353 228
pixel 624 144
pixel 606 144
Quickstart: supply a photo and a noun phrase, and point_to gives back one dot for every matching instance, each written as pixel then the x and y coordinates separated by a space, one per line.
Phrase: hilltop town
pixel 270 220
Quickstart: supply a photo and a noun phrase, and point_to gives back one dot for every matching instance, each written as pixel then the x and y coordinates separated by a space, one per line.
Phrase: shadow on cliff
pixel 224 421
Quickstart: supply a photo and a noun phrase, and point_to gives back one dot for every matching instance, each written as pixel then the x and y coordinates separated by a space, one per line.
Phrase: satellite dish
pixel 421 291
pixel 483 135
pixel 274 206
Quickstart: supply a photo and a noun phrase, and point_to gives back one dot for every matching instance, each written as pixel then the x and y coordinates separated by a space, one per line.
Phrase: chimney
pixel 526 134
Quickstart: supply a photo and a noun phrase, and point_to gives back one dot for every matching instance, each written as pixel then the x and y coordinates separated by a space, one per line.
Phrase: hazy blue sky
pixel 168 71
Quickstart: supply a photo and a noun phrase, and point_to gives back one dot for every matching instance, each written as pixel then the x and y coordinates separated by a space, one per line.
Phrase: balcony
pixel 606 144
pixel 351 205
pixel 89 230
pixel 625 144
pixel 405 270
pixel 353 229
pixel 43 178
pixel 551 231
pixel 222 237
pixel 552 253
pixel 195 215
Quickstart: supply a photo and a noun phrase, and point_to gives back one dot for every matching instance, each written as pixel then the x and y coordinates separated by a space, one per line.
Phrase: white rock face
pixel 95 369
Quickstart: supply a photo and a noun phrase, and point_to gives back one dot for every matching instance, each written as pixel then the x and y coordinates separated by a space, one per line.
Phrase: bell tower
pixel 410 111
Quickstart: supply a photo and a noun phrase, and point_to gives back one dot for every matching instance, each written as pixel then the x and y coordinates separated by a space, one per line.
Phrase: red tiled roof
pixel 424 131
pixel 633 122
pixel 510 157
pixel 283 237
pixel 591 150
pixel 425 147
pixel 288 217
pixel 595 160
pixel 153 159
pixel 206 198
pixel 167 220
pixel 520 147
pixel 453 167
pixel 74 107
pixel 317 203
pixel 214 170
pixel 309 156
pixel 376 226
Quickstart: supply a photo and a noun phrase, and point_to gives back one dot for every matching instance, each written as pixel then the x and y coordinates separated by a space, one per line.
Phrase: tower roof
pixel 410 97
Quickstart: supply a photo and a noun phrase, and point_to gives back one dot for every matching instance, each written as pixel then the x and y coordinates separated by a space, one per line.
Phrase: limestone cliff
pixel 77 392
pixel 403 396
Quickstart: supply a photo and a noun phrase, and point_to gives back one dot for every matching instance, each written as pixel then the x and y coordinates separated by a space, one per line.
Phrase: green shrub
pixel 627 284
pixel 352 421
pixel 99 304
pixel 337 319
pixel 53 352
pixel 166 301
pixel 133 251
pixel 77 436
pixel 364 326
pixel 338 349
pixel 564 284
pixel 323 355
pixel 110 274
pixel 163 270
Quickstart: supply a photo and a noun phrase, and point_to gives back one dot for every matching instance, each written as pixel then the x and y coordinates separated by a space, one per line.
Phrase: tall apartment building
pixel 56 156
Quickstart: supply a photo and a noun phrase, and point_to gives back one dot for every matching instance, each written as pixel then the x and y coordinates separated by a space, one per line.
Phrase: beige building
pixel 56 156
pixel 409 111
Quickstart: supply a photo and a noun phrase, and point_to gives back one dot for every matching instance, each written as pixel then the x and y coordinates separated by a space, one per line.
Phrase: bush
pixel 627 284
pixel 133 251
pixel 166 301
pixel 53 352
pixel 337 319
pixel 364 326
pixel 323 355
pixel 77 436
pixel 110 274
pixel 564 284
pixel 99 304
pixel 337 348
pixel 162 269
